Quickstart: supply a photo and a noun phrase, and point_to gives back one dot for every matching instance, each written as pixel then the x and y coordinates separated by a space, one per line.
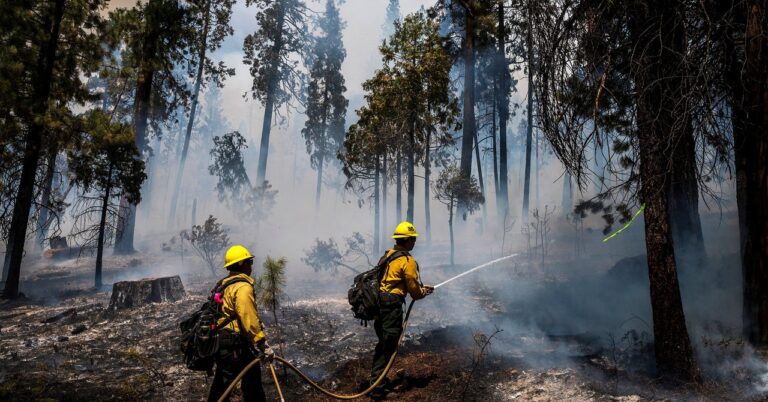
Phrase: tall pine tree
pixel 326 105
pixel 271 52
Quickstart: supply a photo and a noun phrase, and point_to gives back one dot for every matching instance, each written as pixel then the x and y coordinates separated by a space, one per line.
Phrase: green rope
pixel 642 208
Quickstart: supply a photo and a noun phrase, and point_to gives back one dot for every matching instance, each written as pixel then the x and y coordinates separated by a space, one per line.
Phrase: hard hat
pixel 236 254
pixel 403 230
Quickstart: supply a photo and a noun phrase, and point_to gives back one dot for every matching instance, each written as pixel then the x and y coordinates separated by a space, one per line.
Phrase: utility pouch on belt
pixel 386 299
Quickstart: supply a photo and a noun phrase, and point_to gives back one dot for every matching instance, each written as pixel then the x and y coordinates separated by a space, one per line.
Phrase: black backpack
pixel 201 337
pixel 364 295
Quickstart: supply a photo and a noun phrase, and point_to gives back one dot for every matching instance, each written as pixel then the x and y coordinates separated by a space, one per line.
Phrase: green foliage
pixel 209 22
pixel 209 241
pixel 106 156
pixel 269 51
pixel 42 76
pixel 326 106
pixel 326 255
pixel 233 185
pixel 151 39
pixel 271 284
pixel 452 188
pixel 105 164
pixel 228 166
pixel 408 98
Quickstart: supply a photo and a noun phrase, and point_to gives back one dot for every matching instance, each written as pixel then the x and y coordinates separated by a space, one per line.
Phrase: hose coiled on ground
pixel 316 385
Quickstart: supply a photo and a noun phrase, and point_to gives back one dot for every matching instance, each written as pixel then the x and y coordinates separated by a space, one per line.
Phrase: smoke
pixel 591 297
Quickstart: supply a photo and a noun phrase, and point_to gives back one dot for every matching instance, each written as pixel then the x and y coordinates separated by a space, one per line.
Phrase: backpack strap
pixel 388 260
pixel 220 289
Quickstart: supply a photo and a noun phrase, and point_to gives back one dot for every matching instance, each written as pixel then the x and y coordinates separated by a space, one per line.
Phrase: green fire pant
pixel 229 363
pixel 388 327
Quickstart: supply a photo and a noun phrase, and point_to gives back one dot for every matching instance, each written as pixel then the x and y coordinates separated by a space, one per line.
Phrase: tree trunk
pixel 266 128
pixel 127 214
pixel 32 150
pixel 567 194
pixel 45 207
pixel 129 294
pixel 502 97
pixel 411 173
pixel 102 225
pixel 320 181
pixel 376 210
pixel 480 176
pixel 427 171
pixel 450 228
pixel 468 124
pixel 684 202
pixel 751 141
pixel 529 129
pixel 494 148
pixel 399 190
pixel 192 112
pixel 384 181
pixel 659 33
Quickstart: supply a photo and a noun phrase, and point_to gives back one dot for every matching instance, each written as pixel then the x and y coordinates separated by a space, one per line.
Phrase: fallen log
pixel 128 294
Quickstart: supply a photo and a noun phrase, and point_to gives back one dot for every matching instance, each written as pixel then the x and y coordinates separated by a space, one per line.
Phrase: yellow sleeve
pixel 245 308
pixel 412 280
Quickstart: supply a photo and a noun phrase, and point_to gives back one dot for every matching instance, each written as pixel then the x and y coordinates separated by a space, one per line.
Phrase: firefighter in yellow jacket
pixel 401 277
pixel 242 339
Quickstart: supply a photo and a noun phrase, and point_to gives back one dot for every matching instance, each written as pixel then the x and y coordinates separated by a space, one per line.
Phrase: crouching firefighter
pixel 242 338
pixel 401 277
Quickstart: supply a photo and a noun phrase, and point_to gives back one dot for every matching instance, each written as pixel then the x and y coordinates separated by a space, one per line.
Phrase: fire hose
pixel 314 384
pixel 375 383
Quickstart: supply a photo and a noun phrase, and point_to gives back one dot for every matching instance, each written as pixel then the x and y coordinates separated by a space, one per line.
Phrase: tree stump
pixel 130 294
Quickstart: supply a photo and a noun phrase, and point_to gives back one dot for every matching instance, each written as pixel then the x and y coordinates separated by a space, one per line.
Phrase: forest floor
pixel 62 343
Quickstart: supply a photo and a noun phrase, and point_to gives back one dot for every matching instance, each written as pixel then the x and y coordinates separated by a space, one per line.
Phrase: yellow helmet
pixel 236 254
pixel 403 230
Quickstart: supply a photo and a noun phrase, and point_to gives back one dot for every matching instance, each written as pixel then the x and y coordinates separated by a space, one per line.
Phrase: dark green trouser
pixel 229 363
pixel 388 327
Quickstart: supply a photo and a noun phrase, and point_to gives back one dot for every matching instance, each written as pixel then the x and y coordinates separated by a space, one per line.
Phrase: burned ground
pixel 67 345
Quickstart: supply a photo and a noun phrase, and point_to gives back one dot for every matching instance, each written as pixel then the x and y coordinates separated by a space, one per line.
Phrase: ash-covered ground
pixel 496 337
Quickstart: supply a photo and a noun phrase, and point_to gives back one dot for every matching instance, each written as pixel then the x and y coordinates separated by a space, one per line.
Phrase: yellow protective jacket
pixel 402 275
pixel 240 302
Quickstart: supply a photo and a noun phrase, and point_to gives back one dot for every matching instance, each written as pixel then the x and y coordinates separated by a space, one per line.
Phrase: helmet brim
pixel 397 236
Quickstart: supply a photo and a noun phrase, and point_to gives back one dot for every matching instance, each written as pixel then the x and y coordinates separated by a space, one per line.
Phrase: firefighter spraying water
pixel 365 296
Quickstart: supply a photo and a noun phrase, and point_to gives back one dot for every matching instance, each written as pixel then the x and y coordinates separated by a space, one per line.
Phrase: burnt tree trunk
pixel 272 82
pixel 749 88
pixel 376 209
pixel 127 214
pixel 102 225
pixel 684 199
pixel 450 227
pixel 502 100
pixel 659 34
pixel 32 149
pixel 468 118
pixel 411 171
pixel 192 112
pixel 529 130
pixel 427 171
pixel 45 201
pixel 384 181
pixel 480 176
pixel 129 294
pixel 399 189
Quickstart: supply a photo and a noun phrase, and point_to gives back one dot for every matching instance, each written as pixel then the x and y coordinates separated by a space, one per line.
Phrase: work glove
pixel 428 290
pixel 265 353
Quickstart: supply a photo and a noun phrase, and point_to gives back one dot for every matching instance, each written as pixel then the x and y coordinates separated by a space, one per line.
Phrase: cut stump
pixel 130 294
